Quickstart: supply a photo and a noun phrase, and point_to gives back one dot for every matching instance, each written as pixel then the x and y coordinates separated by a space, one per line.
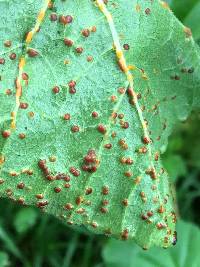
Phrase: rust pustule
pixel 74 171
pixel 7 43
pixel 105 190
pixel 57 189
pixel 53 17
pixel 85 32
pixel 101 128
pixel 32 52
pixel 66 116
pixel 68 42
pixel 6 133
pixel 56 90
pixel 124 234
pixel 79 50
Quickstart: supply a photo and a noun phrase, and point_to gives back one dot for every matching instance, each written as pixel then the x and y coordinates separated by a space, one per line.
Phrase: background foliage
pixel 29 238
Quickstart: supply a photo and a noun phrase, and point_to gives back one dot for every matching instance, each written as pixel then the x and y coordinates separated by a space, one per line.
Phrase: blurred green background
pixel 29 238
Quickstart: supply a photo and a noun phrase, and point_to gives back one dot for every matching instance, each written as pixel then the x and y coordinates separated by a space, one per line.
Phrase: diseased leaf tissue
pixel 89 93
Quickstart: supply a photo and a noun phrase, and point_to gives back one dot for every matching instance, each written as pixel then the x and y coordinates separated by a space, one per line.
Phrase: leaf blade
pixel 96 170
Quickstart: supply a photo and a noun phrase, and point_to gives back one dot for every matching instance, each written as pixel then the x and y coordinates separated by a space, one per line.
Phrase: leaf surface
pixel 83 122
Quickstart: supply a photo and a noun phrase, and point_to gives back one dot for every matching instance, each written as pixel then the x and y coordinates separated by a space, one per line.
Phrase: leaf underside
pixel 76 145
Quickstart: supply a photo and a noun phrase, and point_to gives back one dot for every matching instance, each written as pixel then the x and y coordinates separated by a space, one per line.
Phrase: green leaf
pixel 175 166
pixel 186 252
pixel 182 9
pixel 25 219
pixel 4 261
pixel 192 21
pixel 84 142
pixel 9 243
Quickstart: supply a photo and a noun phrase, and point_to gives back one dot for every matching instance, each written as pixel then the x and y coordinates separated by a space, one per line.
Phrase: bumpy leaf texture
pixel 89 93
